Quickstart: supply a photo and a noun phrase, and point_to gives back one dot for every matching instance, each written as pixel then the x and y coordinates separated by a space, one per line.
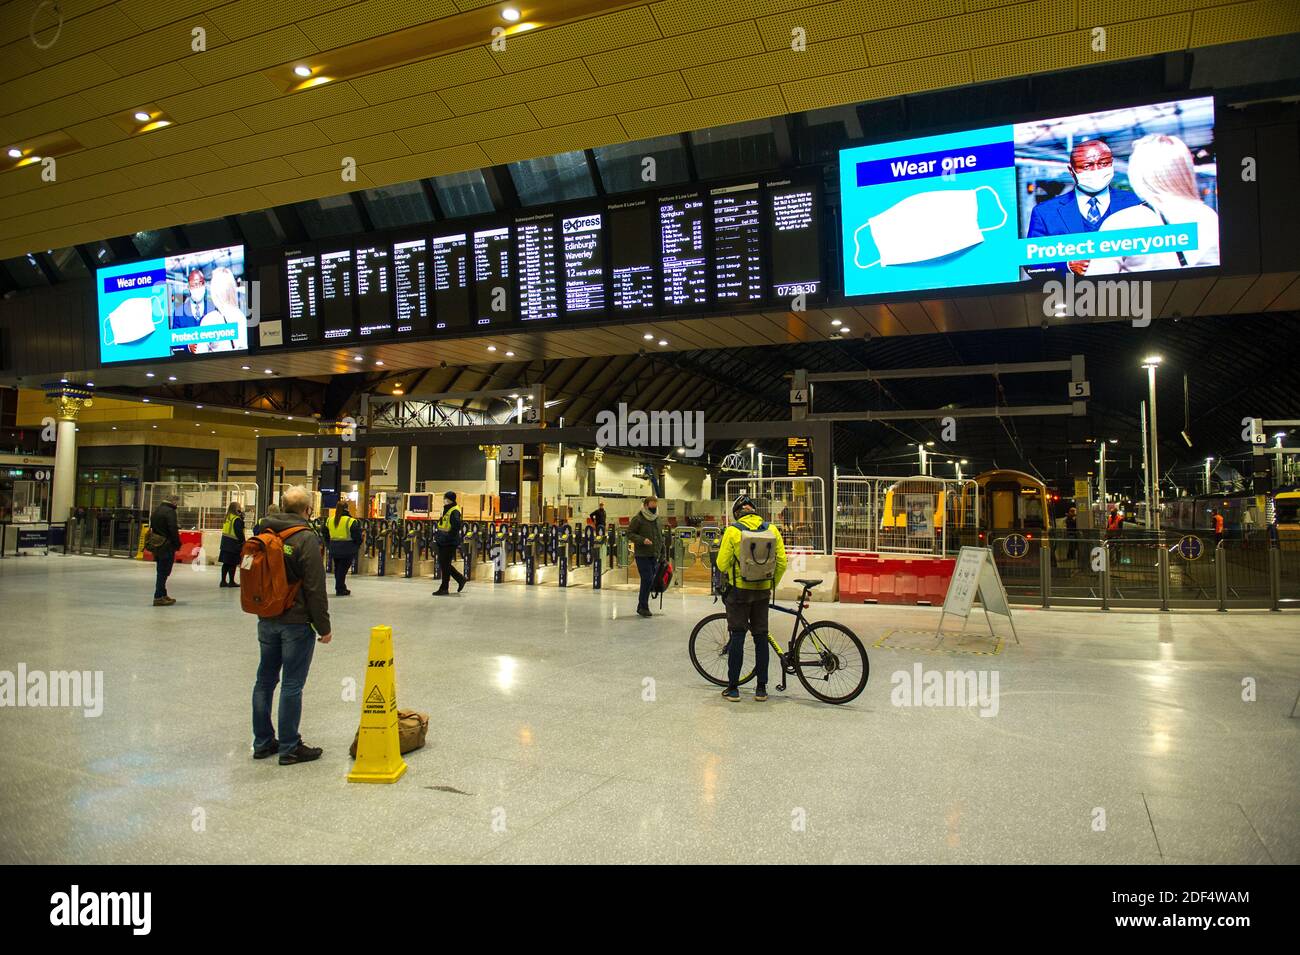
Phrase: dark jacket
pixel 163 523
pixel 231 546
pixel 303 561
pixel 451 536
pixel 598 516
pixel 638 529
pixel 347 547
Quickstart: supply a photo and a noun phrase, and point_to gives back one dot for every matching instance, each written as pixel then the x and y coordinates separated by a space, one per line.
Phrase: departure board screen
pixel 374 291
pixel 336 294
pixel 633 249
pixel 681 239
pixel 737 244
pixel 450 280
pixel 539 282
pixel 493 278
pixel 584 263
pixel 794 224
pixel 303 296
pixel 411 286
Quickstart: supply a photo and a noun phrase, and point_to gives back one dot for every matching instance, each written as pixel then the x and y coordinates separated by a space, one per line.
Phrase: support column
pixel 68 404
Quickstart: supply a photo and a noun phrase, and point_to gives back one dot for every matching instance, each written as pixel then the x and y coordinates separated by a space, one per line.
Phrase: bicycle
pixel 827 657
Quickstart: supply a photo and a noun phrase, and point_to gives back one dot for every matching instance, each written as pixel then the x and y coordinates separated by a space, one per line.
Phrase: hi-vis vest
pixel 340 527
pixel 228 528
pixel 444 522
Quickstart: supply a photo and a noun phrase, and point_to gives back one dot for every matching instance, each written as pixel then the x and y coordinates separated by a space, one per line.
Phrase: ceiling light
pixel 681 450
pixel 267 371
pixel 492 348
pixel 510 354
pixel 214 432
pixel 358 358
pixel 380 364
pixel 514 396
pixel 155 427
pixel 114 427
pixel 63 381
pixel 648 337
pixel 663 341
pixel 836 322
pixel 510 14
pixel 146 400
pixel 90 384
pixel 290 418
pixel 303 71
pixel 196 424
pixel 143 117
pixel 171 377
pixel 198 406
pixel 15 154
pixel 1151 360
pixel 248 412
pixel 245 368
pixel 148 374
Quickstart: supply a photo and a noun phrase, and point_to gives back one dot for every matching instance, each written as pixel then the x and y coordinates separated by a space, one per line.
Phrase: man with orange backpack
pixel 282 577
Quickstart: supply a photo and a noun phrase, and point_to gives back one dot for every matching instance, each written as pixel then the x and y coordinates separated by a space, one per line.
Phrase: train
pixel 1007 500
pixel 1240 511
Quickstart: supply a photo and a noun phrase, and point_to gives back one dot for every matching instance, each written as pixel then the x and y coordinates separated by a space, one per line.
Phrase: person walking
pixel 164 541
pixel 288 641
pixel 1218 528
pixel 597 517
pixel 751 558
pixel 345 544
pixel 1072 534
pixel 649 543
pixel 447 538
pixel 232 542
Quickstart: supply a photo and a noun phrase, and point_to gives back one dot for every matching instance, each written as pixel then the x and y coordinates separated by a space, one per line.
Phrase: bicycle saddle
pixel 808 583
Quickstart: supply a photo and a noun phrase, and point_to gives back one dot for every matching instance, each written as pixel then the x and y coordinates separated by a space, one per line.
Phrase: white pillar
pixel 65 471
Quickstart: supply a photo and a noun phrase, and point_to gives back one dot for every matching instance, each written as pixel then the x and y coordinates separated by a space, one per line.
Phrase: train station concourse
pixel 651 432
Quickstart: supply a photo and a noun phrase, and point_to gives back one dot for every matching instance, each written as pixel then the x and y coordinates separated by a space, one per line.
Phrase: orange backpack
pixel 264 587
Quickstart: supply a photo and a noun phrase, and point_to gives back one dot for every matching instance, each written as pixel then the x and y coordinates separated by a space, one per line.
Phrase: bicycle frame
pixel 789 665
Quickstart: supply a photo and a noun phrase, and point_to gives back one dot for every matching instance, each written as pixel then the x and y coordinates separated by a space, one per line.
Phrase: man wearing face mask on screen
pixel 1082 209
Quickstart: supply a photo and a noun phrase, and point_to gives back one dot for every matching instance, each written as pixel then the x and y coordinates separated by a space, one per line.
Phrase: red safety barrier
pixel 893 578
pixel 191 543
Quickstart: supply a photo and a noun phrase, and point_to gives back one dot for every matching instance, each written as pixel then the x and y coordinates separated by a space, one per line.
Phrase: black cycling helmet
pixel 744 500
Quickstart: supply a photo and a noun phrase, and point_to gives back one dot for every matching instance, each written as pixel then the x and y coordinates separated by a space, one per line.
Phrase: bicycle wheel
pixel 708 644
pixel 831 662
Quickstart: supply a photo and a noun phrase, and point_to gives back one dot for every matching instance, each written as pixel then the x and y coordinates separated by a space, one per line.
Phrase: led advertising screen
pixel 192 303
pixel 1098 194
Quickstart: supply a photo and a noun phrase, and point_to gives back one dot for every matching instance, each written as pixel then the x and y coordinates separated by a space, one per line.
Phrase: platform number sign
pixel 1080 389
pixel 798 396
pixel 1190 547
pixel 1015 545
pixel 512 452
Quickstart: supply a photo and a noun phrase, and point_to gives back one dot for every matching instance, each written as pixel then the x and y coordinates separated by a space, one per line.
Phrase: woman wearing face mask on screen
pixel 645 531
pixel 226 311
pixel 1163 176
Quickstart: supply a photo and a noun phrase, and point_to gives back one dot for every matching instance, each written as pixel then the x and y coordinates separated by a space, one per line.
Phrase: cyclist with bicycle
pixel 751 558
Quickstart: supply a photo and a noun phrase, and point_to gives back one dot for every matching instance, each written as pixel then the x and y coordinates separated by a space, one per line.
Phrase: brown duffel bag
pixel 412 727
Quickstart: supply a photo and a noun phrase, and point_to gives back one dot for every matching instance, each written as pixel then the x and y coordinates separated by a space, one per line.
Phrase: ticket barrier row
pixel 104 533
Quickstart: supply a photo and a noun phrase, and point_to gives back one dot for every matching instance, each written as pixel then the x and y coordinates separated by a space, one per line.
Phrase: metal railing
pixel 796 505
pixel 203 504
pixel 917 515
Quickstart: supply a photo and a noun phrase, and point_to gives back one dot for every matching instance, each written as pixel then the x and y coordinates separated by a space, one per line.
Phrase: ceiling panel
pixel 594 73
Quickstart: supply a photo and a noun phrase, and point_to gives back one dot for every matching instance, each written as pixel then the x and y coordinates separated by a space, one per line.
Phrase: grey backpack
pixel 756 553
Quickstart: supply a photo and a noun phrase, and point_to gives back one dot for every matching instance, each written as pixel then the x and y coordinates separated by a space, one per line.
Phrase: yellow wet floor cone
pixel 379 753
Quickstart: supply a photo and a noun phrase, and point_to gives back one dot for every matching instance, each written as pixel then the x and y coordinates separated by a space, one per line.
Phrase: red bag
pixel 662 579
pixel 264 587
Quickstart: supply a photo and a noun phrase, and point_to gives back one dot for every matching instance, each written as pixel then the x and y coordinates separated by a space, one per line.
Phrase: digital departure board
pixel 737 244
pixel 374 291
pixel 681 240
pixel 539 278
pixel 336 294
pixel 411 286
pixel 634 249
pixel 449 278
pixel 303 296
pixel 493 277
pixel 794 227
pixel 584 263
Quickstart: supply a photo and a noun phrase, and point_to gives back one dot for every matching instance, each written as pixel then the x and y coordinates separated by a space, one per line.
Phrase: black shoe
pixel 461 586
pixel 302 753
pixel 760 695
pixel 440 593
pixel 233 584
pixel 270 749
pixel 222 584
pixel 643 612
pixel 342 593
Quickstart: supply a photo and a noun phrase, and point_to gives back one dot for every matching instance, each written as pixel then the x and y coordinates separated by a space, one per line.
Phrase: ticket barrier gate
pixel 680 549
pixel 596 550
pixel 711 535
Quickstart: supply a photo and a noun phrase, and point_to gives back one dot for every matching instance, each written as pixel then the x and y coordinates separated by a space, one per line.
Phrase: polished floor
pixel 566 729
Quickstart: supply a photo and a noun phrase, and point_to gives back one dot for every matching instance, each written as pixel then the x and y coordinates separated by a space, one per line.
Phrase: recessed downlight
pixel 510 354
pixel 142 117
pixel 510 14
pixel 148 374
pixel 303 71
pixel 171 377
pixel 648 337
pixel 379 364
pixel 15 153
pixel 245 367
pixel 663 341
pixel 492 348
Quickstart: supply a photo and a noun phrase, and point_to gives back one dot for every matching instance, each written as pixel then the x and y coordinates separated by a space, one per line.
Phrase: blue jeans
pixel 163 566
pixel 287 645
pixel 645 566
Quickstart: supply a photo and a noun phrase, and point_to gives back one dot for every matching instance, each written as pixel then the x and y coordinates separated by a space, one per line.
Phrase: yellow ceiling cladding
pixel 611 72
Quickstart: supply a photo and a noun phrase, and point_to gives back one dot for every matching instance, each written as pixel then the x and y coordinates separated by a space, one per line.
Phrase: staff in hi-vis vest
pixel 447 539
pixel 345 541
pixel 751 557
pixel 232 541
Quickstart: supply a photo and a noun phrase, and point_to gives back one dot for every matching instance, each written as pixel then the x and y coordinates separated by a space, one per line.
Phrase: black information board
pixel 411 286
pixel 336 295
pixel 737 244
pixel 634 254
pixel 374 291
pixel 683 253
pixel 493 277
pixel 584 263
pixel 449 275
pixel 538 268
pixel 794 230
pixel 302 296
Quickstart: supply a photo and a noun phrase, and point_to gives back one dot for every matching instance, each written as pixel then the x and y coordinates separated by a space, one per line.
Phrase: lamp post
pixel 1150 363
pixel 1207 474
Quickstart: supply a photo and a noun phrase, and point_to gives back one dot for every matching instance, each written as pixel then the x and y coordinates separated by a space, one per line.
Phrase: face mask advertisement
pixel 1122 190
pixel 193 303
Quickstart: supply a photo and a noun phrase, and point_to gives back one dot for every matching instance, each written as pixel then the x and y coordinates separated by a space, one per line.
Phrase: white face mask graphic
pixel 927 225
pixel 196 293
pixel 131 321
pixel 1093 181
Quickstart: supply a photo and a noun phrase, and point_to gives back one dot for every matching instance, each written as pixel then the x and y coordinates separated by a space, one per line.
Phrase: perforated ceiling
pixel 591 74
